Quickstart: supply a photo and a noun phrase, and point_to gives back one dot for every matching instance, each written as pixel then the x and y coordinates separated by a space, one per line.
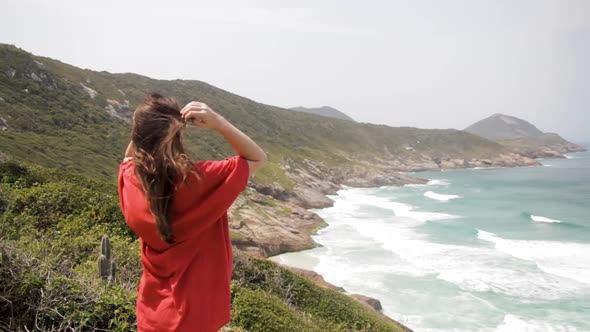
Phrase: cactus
pixel 106 266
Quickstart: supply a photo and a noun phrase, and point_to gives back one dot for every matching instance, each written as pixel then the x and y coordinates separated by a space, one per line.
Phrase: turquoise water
pixel 473 250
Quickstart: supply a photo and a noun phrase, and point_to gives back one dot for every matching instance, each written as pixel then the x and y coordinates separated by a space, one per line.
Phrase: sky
pixel 419 63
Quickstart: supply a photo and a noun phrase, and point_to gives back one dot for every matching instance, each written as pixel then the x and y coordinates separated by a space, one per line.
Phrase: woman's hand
pixel 201 115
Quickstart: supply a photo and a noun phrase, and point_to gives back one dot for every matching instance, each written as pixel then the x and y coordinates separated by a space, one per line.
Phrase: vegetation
pixel 51 227
pixel 51 119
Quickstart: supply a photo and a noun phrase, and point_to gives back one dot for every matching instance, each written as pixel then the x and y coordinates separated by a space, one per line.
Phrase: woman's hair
pixel 160 159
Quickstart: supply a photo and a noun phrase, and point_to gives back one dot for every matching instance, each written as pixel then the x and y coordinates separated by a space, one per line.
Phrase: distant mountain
pixel 326 111
pixel 522 136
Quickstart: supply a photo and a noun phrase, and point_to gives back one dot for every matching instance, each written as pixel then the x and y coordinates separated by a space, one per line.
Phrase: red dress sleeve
pixel 222 182
pixel 233 171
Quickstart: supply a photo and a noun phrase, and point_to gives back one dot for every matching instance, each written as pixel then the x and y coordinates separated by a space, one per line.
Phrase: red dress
pixel 185 285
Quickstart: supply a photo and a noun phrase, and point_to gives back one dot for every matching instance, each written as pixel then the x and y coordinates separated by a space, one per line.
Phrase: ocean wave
pixel 440 197
pixel 543 219
pixel 390 244
pixel 349 201
pixel 564 259
pixel 472 268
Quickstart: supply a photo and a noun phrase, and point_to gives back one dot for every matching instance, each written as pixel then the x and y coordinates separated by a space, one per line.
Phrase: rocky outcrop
pixel 264 226
pixel 370 302
pixel 35 71
pixel 91 92
pixel 315 277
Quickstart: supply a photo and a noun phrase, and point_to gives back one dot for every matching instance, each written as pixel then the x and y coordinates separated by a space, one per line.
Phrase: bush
pixel 257 310
pixel 45 295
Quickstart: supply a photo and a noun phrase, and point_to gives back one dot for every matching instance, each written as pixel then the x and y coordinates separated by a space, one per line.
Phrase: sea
pixel 495 249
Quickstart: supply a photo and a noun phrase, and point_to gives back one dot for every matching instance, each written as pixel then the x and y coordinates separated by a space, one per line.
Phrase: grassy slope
pixel 65 128
pixel 51 223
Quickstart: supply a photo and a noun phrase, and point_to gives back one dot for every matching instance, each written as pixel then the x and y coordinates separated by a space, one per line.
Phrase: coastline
pixel 318 278
pixel 281 220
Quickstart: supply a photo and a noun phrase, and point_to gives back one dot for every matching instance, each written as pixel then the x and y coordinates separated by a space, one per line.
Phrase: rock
pixel 10 72
pixel 274 191
pixel 236 224
pixel 92 93
pixel 111 110
pixel 368 301
pixel 315 277
pixel 311 199
pixel 35 78
pixel 3 123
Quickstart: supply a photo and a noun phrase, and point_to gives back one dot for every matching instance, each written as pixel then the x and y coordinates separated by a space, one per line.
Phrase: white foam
pixel 440 197
pixel 512 323
pixel 349 201
pixel 438 182
pixel 543 219
pixel 565 259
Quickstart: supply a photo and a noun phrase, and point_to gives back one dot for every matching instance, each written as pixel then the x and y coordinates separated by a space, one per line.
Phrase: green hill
pixel 57 115
pixel 522 136
pixel 326 111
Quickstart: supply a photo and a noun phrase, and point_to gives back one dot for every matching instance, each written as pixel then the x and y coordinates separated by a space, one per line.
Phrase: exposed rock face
pixel 119 110
pixel 315 277
pixel 35 71
pixel 368 301
pixel 91 92
pixel 265 227
pixel 3 123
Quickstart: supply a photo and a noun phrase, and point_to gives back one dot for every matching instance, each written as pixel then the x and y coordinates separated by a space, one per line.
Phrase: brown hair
pixel 160 159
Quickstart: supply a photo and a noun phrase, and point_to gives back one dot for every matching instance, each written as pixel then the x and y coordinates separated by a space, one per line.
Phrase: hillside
pixel 522 136
pixel 60 116
pixel 326 111
pixel 51 224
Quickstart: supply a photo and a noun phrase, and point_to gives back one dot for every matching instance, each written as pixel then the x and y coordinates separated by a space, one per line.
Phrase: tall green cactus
pixel 106 266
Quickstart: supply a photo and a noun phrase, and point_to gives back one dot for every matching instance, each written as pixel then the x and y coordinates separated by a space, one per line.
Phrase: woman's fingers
pixel 192 112
pixel 192 108
pixel 199 114
pixel 193 104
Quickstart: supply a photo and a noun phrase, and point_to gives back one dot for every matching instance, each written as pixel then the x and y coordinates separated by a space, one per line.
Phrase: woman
pixel 178 208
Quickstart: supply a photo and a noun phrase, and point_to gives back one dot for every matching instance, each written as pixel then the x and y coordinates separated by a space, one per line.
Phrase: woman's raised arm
pixel 202 116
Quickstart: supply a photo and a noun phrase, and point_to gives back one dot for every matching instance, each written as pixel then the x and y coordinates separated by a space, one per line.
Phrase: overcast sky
pixel 429 64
